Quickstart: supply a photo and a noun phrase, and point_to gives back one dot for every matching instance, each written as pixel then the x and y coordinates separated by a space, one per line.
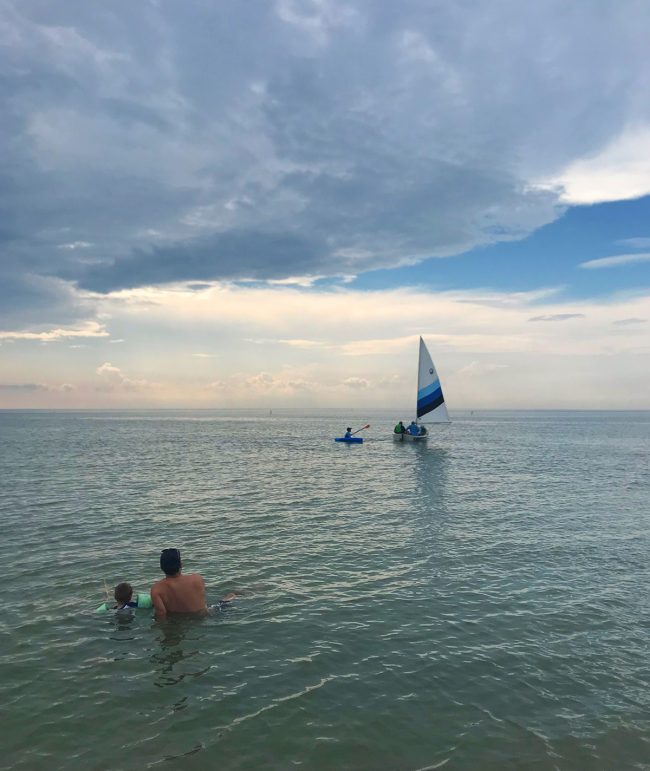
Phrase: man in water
pixel 176 593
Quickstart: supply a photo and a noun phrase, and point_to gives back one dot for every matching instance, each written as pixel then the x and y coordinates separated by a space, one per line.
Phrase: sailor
pixel 413 428
pixel 399 428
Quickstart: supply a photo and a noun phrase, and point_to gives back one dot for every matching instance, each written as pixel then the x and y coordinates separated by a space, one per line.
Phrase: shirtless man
pixel 176 593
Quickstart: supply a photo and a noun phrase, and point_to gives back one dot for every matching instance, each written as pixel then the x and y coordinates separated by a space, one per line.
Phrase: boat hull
pixel 409 438
pixel 351 440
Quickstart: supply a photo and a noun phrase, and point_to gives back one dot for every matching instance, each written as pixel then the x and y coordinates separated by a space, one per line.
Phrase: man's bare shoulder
pixel 157 586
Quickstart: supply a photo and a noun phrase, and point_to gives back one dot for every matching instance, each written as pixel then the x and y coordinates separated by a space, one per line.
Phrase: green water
pixel 479 603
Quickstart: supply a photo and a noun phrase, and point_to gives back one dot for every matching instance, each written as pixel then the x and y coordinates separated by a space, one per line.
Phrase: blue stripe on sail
pixel 428 389
pixel 430 402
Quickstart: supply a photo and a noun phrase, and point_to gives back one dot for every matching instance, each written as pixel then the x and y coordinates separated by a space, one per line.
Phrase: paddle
pixel 360 429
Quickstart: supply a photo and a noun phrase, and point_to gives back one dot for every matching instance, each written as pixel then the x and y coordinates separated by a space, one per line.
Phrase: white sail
pixel 430 401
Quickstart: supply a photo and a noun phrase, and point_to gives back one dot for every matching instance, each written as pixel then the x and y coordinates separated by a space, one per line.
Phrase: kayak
pixel 350 440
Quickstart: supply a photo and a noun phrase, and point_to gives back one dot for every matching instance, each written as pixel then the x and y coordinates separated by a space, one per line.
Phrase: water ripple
pixel 477 603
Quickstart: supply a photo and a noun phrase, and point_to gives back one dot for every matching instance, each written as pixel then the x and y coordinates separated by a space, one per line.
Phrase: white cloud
pixel 87 329
pixel 112 378
pixel 299 343
pixel 75 245
pixel 476 338
pixel 304 281
pixel 636 243
pixel 357 383
pixel 617 260
pixel 620 171
pixel 262 385
pixel 557 317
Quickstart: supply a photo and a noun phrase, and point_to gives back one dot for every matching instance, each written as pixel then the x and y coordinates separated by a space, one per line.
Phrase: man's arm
pixel 158 604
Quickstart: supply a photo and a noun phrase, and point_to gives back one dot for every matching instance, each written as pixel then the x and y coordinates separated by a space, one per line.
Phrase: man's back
pixel 179 594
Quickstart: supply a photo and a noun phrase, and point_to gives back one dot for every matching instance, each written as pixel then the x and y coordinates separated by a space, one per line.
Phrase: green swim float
pixel 142 600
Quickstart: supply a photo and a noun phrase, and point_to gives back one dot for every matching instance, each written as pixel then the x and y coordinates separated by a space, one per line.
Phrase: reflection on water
pixel 180 642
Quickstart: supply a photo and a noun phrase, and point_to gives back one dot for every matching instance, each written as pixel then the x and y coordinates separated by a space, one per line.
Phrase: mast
pixel 417 380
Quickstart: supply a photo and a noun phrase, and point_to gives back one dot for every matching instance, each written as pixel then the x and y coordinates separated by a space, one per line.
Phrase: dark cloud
pixel 28 299
pixel 232 255
pixel 272 139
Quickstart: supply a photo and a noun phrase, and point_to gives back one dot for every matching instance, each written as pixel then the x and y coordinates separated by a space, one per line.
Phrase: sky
pixel 265 204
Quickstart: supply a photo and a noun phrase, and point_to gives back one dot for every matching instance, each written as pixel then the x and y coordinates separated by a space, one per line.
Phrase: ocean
pixel 481 602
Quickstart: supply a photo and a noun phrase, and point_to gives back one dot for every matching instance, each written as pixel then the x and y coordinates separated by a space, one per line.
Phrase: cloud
pixel 262 384
pixel 373 346
pixel 112 378
pixel 474 337
pixel 31 387
pixel 558 317
pixel 356 383
pixel 294 342
pixel 75 245
pixel 204 355
pixel 616 260
pixel 630 321
pixel 87 329
pixel 636 243
pixel 621 171
pixel 337 138
pixel 22 387
pixel 299 343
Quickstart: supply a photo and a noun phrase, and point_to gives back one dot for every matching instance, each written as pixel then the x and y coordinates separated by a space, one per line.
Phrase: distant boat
pixel 430 400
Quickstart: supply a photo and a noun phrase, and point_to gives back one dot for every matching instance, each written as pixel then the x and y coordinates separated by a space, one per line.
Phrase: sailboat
pixel 430 400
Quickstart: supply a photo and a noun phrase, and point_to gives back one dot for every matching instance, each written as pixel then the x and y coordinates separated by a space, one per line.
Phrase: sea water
pixel 480 602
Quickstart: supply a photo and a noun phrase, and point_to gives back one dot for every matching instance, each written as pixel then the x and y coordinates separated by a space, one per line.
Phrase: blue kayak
pixel 351 440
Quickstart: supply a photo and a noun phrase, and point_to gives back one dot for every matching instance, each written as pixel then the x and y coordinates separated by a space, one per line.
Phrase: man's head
pixel 170 561
pixel 123 592
pixel 348 429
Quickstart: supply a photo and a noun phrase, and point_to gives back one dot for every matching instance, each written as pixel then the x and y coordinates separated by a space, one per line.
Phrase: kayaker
pixel 348 433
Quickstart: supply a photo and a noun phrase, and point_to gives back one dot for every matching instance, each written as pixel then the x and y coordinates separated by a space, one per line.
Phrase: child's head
pixel 123 592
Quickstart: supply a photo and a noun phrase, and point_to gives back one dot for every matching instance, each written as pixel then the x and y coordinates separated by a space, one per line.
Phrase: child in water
pixel 123 594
